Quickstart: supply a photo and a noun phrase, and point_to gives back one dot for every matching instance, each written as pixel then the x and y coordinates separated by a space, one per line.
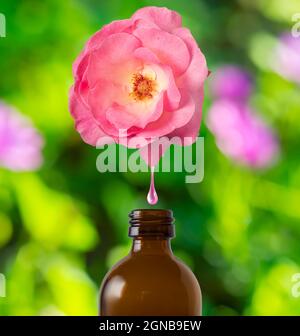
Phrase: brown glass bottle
pixel 150 281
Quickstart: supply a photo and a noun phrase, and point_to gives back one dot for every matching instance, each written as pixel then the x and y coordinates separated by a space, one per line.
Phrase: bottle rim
pixel 151 223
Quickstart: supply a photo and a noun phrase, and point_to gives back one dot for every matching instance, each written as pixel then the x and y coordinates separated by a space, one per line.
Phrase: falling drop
pixel 152 197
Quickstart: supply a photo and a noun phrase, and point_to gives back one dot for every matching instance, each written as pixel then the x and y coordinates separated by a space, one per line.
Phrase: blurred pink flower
pixel 286 57
pixel 230 82
pixel 241 135
pixel 20 144
pixel 143 76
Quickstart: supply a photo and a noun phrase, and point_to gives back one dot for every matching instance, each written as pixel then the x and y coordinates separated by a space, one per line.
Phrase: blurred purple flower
pixel 20 143
pixel 286 59
pixel 231 82
pixel 241 135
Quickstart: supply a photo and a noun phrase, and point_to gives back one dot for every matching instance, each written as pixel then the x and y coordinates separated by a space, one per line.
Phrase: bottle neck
pixel 151 230
pixel 151 246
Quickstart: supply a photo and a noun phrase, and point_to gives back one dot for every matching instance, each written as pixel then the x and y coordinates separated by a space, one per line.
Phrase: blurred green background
pixel 63 226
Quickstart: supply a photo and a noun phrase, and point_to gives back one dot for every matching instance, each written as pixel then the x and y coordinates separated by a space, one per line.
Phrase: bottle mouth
pixel 151 223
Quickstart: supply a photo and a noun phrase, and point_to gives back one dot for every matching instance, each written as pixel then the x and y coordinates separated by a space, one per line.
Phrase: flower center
pixel 143 87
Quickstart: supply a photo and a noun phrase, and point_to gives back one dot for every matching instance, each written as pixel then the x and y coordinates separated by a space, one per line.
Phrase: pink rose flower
pixel 20 143
pixel 242 135
pixel 286 59
pixel 141 77
pixel 231 82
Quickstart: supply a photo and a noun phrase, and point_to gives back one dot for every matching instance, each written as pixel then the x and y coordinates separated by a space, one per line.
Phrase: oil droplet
pixel 152 197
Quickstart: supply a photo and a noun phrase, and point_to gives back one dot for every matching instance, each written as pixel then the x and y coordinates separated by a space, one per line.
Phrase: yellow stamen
pixel 143 87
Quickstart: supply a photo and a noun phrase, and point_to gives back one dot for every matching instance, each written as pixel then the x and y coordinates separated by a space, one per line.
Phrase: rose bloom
pixel 230 82
pixel 20 143
pixel 242 135
pixel 141 77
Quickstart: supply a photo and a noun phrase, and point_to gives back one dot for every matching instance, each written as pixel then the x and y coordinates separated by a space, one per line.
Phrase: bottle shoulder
pixel 152 268
pixel 150 285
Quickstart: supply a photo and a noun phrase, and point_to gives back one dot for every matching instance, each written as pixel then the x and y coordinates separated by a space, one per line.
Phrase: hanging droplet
pixel 152 197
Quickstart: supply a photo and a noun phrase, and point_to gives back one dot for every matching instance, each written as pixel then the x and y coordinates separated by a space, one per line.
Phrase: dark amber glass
pixel 150 281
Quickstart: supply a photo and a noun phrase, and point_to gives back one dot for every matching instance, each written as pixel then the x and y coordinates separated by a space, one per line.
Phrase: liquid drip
pixel 152 197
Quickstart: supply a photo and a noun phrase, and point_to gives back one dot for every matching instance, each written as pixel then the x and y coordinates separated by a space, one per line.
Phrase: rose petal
pixel 170 49
pixel 114 27
pixel 190 131
pixel 95 42
pixel 171 120
pixel 85 123
pixel 146 55
pixel 173 95
pixel 113 61
pixel 101 97
pixel 197 71
pixel 163 17
pixel 80 65
pixel 137 114
pixel 141 23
